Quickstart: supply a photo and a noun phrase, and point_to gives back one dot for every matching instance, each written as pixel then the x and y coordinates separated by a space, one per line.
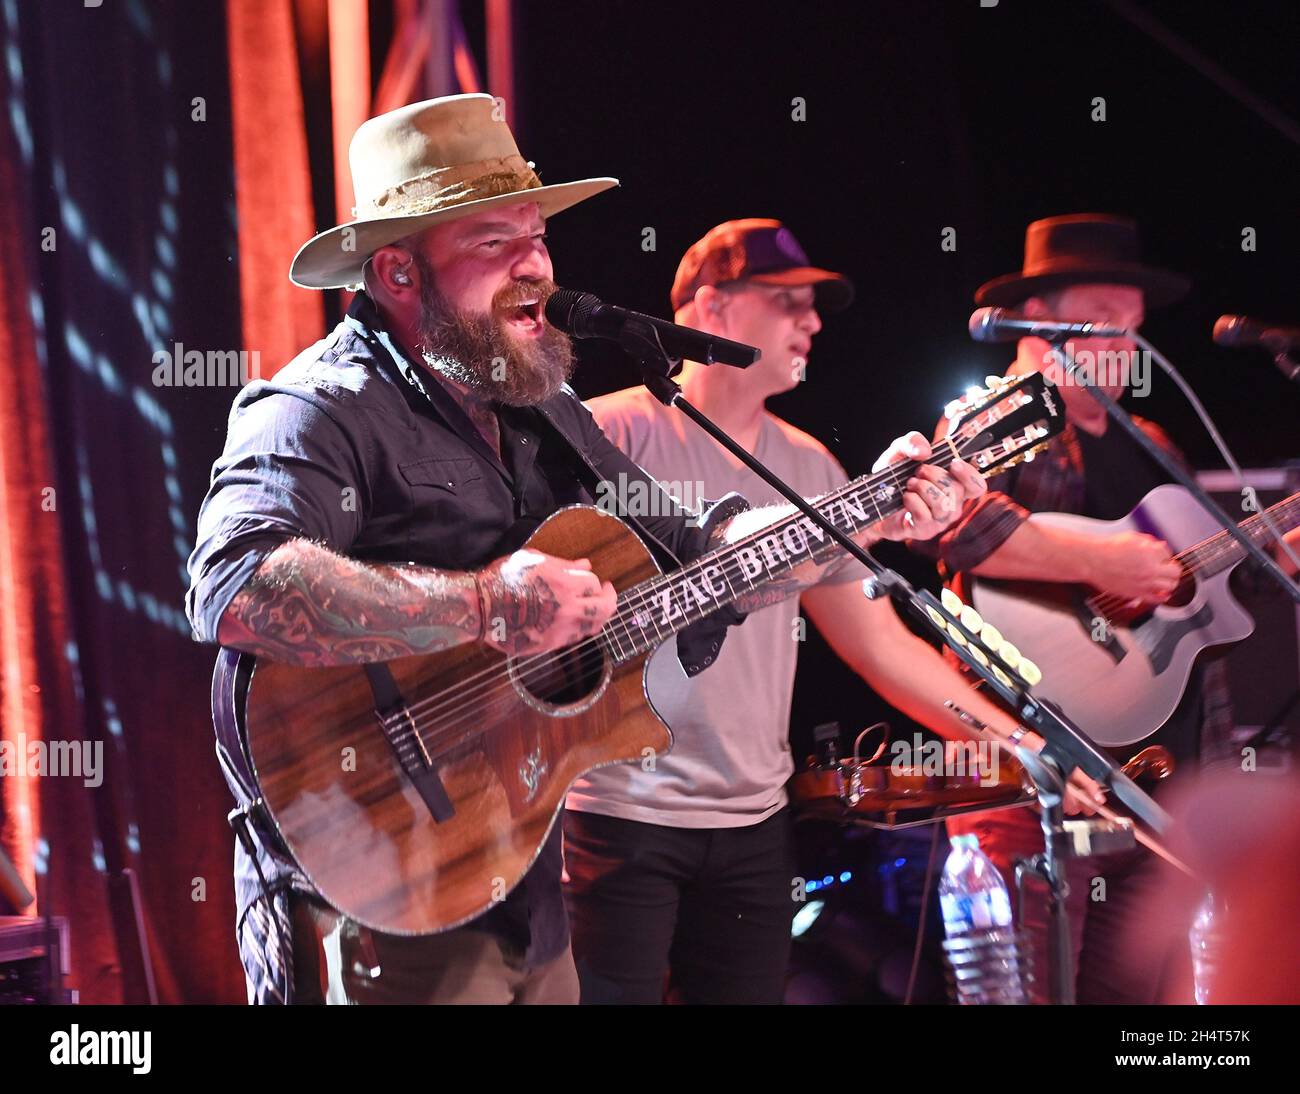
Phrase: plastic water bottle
pixel 1206 940
pixel 977 920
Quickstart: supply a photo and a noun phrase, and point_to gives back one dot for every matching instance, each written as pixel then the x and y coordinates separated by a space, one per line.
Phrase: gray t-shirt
pixel 731 751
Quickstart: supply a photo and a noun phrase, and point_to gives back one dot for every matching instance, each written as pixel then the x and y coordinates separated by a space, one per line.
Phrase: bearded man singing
pixel 372 500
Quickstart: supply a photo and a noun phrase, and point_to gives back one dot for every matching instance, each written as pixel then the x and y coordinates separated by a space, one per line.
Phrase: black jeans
pixel 705 910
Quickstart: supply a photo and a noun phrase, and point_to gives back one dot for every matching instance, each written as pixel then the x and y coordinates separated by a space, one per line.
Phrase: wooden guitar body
pixel 505 756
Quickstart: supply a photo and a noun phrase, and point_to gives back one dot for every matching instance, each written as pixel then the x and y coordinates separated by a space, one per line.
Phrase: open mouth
pixel 526 316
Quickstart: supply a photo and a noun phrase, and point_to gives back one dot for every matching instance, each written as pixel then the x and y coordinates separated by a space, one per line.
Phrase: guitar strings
pixel 532 666
pixel 1221 545
pixel 637 599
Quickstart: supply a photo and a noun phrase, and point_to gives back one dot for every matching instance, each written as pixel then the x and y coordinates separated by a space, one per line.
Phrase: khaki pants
pixel 337 961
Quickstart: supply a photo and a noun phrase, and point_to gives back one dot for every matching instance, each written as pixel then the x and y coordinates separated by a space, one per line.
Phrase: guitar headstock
pixel 1007 421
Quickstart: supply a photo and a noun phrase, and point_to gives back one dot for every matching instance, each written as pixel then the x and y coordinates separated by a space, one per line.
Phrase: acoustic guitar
pixel 1119 673
pixel 415 793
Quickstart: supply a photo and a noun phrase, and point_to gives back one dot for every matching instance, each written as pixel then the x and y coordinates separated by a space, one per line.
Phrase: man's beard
pixel 478 352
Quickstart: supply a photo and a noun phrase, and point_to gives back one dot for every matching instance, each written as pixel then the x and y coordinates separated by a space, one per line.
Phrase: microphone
pixel 1241 330
pixel 1001 325
pixel 586 316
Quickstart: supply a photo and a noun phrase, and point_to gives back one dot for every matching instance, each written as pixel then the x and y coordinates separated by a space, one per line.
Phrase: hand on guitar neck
pixel 933 498
pixel 1283 559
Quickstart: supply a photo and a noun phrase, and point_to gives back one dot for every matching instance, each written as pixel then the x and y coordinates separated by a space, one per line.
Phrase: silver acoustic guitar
pixel 1118 674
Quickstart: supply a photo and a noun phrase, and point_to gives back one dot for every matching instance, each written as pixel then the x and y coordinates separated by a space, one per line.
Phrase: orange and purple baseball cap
pixel 756 250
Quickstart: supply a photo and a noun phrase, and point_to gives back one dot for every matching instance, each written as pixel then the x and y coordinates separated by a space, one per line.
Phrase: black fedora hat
pixel 1082 249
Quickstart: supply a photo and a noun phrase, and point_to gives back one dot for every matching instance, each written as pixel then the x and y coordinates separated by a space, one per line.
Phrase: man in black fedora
pixel 1087 267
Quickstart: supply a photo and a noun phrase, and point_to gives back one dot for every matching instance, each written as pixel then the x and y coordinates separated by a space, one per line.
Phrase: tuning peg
pixel 966 615
pixel 991 637
pixel 1030 673
pixel 1010 656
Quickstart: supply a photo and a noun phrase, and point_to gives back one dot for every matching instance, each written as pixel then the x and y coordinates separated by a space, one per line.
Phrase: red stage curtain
pixel 272 181
pixel 37 698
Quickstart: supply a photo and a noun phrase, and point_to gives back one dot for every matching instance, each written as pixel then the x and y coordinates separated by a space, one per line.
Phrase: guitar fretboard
pixel 656 609
pixel 1219 551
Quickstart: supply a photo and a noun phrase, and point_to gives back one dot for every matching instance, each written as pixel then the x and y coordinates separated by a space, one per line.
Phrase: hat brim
pixel 834 292
pixel 334 258
pixel 1158 287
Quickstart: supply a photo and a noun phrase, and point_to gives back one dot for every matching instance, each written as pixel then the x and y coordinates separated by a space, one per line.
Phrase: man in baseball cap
pixel 692 856
pixel 763 252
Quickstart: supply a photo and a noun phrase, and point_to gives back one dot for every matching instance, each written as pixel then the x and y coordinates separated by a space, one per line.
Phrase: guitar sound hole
pixel 565 681
pixel 1183 594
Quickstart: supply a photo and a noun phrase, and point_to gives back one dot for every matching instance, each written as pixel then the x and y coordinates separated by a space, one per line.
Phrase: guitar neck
pixel 992 429
pixel 1220 551
pixel 657 609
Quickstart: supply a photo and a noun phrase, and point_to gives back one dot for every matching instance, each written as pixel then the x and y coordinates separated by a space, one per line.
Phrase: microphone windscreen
pixel 568 310
pixel 1236 330
pixel 983 325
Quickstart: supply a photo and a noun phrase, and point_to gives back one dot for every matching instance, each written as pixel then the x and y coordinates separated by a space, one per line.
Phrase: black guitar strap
pixel 697 645
pixel 592 480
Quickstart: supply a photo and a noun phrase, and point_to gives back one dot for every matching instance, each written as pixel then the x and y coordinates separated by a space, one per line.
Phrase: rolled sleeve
pixel 289 471
pixel 985 525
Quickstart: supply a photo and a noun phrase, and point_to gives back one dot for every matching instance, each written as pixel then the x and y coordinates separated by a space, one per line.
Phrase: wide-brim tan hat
pixel 422 164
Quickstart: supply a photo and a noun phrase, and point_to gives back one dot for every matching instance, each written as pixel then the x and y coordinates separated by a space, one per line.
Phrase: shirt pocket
pixel 460 476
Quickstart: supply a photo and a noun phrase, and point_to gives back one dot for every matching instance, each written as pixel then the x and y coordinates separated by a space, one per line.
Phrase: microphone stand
pixel 1125 422
pixel 1049 866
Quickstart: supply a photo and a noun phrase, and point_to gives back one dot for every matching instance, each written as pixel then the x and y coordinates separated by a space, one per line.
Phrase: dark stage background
pixel 919 117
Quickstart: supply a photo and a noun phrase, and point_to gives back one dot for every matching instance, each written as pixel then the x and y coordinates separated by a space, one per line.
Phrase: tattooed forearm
pixel 514 609
pixel 308 606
